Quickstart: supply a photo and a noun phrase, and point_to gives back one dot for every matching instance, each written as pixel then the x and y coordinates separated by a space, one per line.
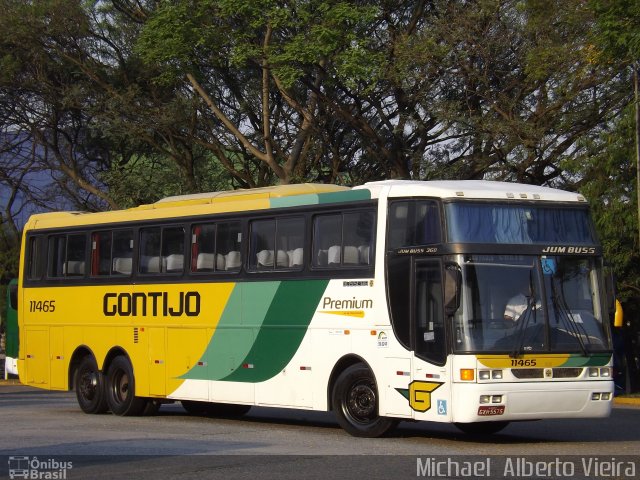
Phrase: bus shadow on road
pixel 621 426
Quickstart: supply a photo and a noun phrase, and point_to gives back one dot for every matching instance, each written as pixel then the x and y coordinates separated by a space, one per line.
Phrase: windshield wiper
pixel 522 327
pixel 561 307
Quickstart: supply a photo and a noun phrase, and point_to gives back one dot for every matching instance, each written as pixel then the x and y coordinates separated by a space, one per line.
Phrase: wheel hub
pixel 362 402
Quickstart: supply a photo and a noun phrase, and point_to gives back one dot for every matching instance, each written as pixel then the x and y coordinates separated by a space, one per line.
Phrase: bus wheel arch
pixel 340 366
pixel 88 381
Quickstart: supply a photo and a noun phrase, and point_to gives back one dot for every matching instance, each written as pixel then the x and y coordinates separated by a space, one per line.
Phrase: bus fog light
pixel 484 375
pixel 594 372
pixel 605 396
pixel 496 399
pixel 496 374
pixel 605 372
pixel 595 396
pixel 485 398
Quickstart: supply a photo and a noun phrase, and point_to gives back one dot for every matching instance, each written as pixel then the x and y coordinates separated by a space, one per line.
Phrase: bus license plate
pixel 487 411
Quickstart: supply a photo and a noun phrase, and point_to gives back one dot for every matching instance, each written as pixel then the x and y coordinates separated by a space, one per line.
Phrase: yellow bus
pixel 471 302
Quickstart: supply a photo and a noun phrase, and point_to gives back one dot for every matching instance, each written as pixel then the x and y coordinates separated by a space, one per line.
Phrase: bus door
pixel 430 387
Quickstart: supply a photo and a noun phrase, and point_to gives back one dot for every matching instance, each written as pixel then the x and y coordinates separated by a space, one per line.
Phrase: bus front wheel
pixel 121 389
pixel 355 402
pixel 90 389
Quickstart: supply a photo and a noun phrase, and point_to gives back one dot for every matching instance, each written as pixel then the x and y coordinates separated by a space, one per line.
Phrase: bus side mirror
pixel 452 282
pixel 618 318
pixel 13 296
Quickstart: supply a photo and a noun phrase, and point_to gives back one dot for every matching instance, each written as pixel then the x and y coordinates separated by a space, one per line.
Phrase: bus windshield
pixel 476 222
pixel 529 304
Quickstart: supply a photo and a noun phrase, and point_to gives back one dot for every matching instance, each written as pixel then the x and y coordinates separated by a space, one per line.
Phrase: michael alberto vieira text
pixel 523 467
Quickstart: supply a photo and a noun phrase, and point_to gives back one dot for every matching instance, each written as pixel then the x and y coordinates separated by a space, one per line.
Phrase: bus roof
pixel 473 189
pixel 302 194
pixel 201 203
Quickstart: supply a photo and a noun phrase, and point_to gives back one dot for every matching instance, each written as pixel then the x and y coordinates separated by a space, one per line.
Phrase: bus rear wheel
pixel 355 401
pixel 481 428
pixel 121 389
pixel 90 388
pixel 224 410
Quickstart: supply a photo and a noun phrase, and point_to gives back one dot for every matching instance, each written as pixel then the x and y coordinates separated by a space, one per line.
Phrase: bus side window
pixel 75 265
pixel 122 252
pixel 149 260
pixel 215 247
pixel 100 253
pixel 343 239
pixel 37 260
pixel 277 244
pixel 67 256
pixel 228 242
pixel 414 223
pixel 161 250
pixel 173 249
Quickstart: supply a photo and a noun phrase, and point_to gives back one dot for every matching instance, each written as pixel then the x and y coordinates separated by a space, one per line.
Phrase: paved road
pixel 270 443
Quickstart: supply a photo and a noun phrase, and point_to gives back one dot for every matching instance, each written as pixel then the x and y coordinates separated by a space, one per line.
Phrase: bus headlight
pixel 594 372
pixel 605 372
pixel 484 375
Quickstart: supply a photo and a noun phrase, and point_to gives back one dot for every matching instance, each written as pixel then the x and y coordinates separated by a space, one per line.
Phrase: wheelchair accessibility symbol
pixel 442 407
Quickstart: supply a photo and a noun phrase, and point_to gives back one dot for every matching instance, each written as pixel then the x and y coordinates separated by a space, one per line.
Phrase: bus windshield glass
pixel 477 222
pixel 529 304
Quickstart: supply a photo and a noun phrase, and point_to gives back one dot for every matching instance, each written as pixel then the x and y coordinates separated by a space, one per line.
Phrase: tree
pixel 518 87
pixel 618 35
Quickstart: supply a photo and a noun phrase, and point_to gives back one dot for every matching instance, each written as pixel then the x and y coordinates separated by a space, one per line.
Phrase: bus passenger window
pixel 67 256
pixel 277 244
pixel 37 259
pixel 215 247
pixel 101 253
pixel 149 261
pixel 343 239
pixel 161 250
pixel 76 250
pixel 228 241
pixel 122 256
pixel 173 249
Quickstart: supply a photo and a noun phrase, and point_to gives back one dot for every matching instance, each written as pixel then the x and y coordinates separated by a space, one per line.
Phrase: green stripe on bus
pixel 320 198
pixel 260 330
pixel 598 360
pixel 233 338
pixel 282 331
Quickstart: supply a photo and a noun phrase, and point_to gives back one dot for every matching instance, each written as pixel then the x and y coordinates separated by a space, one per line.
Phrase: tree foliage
pixel 112 103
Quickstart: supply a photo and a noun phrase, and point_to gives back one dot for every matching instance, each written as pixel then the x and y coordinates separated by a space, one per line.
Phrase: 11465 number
pixel 46 306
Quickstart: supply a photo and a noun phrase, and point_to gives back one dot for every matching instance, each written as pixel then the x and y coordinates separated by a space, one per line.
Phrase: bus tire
pixel 90 386
pixel 355 402
pixel 224 410
pixel 121 389
pixel 481 428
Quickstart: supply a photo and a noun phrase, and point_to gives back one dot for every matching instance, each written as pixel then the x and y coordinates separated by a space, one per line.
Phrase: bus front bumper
pixel 531 401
